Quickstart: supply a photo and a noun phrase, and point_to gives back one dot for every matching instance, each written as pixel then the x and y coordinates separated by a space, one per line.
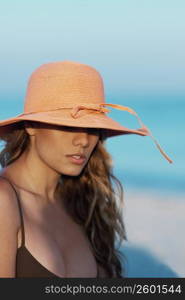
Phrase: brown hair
pixel 99 194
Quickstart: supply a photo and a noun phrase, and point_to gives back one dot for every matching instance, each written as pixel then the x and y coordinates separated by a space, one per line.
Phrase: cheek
pixel 48 147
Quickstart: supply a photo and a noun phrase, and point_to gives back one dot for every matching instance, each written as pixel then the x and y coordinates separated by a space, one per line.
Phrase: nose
pixel 82 138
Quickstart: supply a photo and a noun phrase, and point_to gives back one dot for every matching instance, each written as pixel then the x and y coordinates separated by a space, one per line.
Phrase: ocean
pixel 137 161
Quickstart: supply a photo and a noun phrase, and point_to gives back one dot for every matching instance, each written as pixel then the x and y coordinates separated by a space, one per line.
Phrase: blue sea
pixel 137 161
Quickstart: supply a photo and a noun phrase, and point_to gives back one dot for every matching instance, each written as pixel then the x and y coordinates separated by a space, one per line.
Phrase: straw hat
pixel 72 94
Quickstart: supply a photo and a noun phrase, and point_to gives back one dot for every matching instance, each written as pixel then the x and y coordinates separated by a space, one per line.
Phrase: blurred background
pixel 138 47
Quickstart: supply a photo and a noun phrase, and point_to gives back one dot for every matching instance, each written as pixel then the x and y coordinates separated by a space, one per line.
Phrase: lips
pixel 77 155
pixel 77 158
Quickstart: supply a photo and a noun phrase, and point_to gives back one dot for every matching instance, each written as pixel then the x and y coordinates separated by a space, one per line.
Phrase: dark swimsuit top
pixel 26 264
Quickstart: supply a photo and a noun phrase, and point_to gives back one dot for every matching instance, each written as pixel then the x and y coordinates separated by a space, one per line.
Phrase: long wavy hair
pixel 94 199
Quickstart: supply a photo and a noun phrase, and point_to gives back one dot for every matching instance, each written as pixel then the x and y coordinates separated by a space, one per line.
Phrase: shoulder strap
pixel 20 210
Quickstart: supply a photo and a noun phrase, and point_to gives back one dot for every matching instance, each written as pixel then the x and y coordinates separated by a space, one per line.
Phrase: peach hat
pixel 72 94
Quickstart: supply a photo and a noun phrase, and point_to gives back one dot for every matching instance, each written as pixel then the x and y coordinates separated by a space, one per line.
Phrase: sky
pixel 138 46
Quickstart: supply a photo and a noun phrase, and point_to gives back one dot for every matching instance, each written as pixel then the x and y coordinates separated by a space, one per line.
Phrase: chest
pixel 58 243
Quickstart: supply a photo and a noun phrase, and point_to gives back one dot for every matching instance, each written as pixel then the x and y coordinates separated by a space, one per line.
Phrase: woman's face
pixel 56 146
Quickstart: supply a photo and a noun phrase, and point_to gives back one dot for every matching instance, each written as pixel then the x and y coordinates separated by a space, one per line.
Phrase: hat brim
pixel 64 118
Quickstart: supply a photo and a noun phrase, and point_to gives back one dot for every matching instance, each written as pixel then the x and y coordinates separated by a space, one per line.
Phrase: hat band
pixel 99 108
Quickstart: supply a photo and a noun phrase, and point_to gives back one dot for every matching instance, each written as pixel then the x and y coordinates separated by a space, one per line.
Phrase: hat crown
pixel 57 84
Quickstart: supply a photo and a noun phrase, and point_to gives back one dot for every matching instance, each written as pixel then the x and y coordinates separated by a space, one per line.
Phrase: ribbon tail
pixel 154 140
pixel 159 147
pixel 121 107
pixel 143 128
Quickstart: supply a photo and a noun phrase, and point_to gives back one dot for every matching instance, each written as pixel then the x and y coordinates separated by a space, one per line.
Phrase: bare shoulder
pixel 9 213
pixel 9 226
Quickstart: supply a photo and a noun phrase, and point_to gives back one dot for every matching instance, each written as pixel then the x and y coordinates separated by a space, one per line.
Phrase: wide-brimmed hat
pixel 72 94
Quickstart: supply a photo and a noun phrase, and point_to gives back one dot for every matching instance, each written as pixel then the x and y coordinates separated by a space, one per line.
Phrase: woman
pixel 60 203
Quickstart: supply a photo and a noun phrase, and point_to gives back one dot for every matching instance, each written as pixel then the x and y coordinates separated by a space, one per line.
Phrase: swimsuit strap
pixel 20 210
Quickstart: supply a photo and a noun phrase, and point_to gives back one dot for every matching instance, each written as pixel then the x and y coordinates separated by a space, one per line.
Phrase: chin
pixel 72 172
